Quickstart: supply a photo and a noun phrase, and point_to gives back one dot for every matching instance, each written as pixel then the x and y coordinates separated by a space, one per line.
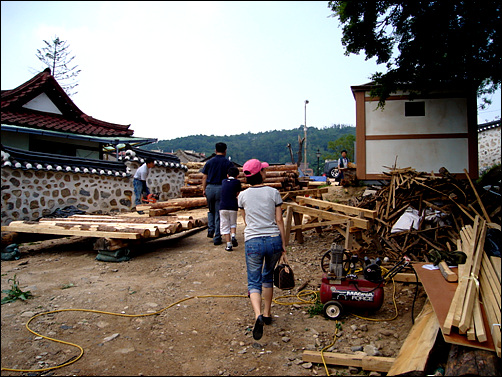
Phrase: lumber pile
pixel 443 203
pixel 312 213
pixel 281 177
pixel 116 227
pixel 479 282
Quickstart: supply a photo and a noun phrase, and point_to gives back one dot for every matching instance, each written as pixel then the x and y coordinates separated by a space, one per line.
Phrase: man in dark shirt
pixel 215 171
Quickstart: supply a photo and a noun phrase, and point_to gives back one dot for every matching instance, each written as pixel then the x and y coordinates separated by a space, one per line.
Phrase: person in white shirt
pixel 264 237
pixel 140 187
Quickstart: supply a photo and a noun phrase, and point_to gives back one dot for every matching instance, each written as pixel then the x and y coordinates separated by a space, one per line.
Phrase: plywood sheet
pixel 440 293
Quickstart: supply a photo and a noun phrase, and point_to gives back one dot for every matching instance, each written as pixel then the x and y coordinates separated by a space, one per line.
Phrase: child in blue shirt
pixel 230 188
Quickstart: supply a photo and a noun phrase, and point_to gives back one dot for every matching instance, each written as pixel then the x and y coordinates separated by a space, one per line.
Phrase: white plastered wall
pixel 424 153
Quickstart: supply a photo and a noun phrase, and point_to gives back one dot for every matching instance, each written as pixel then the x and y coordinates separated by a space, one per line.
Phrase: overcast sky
pixel 174 69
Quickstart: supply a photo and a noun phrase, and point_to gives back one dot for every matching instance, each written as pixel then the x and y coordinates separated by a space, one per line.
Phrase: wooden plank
pixel 64 232
pixel 297 217
pixel 326 215
pixel 491 278
pixel 415 350
pixel 448 322
pixel 287 224
pixel 117 225
pixel 497 265
pixel 487 218
pixel 324 204
pixel 472 291
pixel 440 294
pixel 478 322
pixel 493 318
pixel 371 363
pixel 318 224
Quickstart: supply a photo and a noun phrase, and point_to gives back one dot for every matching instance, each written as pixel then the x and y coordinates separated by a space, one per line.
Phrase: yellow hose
pixel 100 312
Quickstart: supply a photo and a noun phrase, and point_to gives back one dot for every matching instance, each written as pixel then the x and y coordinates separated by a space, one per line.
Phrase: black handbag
pixel 284 278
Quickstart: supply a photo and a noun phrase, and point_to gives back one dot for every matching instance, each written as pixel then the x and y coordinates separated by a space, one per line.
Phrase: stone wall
pixel 489 150
pixel 31 194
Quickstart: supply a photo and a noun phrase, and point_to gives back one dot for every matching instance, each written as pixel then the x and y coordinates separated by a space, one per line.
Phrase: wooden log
pixel 370 363
pixel 281 168
pixel 193 182
pixel 186 224
pixel 9 238
pixel 152 212
pixel 191 191
pixel 415 350
pixel 466 361
pixel 109 244
pixel 180 202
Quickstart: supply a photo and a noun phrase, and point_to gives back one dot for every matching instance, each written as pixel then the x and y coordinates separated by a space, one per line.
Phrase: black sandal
pixel 258 328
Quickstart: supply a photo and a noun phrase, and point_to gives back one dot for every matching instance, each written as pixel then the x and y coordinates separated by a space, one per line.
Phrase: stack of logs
pixel 456 201
pixel 282 177
pixel 478 281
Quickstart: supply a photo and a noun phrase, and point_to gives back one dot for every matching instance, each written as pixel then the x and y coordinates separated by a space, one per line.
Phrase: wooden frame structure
pixel 347 220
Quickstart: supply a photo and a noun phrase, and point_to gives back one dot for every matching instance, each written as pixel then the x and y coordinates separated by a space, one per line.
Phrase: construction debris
pixel 443 203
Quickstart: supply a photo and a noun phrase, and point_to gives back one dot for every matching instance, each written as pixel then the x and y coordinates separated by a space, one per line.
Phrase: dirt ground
pixel 197 336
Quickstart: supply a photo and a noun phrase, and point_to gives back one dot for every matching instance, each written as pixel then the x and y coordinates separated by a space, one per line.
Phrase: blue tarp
pixel 317 178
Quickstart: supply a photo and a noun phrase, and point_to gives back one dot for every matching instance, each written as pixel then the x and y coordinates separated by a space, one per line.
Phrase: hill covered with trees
pixel 270 146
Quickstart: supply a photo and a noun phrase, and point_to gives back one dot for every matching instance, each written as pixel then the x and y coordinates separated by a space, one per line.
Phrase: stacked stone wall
pixel 31 194
pixel 489 150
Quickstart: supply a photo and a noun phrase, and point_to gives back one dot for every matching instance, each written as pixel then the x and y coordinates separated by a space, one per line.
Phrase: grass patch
pixel 15 292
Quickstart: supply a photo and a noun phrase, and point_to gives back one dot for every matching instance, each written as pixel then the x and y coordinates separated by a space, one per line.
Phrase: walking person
pixel 264 237
pixel 139 182
pixel 214 172
pixel 230 189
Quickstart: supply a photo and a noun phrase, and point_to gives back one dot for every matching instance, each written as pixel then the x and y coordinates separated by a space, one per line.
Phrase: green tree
pixel 345 142
pixel 426 44
pixel 56 56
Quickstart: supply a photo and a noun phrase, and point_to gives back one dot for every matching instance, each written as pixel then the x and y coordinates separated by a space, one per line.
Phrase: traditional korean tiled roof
pixel 71 120
pixel 29 160
pixel 161 159
pixel 487 126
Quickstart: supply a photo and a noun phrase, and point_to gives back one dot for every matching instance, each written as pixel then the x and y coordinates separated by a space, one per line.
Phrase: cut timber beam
pixel 326 215
pixel 35 228
pixel 372 363
pixel 348 210
pixel 415 350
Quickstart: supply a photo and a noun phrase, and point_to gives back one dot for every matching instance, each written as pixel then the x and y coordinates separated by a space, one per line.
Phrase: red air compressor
pixel 341 288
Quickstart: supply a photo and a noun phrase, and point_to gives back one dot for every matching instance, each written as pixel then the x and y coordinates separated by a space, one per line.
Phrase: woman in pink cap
pixel 263 240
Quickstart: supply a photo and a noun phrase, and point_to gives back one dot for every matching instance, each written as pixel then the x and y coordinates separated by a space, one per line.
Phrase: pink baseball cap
pixel 253 166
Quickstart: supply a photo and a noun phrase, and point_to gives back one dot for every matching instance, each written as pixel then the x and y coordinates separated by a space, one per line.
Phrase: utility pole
pixel 305 134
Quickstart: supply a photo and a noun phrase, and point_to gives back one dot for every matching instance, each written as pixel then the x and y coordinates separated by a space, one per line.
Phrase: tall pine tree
pixel 57 56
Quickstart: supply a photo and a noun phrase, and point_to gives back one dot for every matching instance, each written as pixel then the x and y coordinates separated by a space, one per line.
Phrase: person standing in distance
pixel 264 238
pixel 214 172
pixel 140 187
pixel 343 164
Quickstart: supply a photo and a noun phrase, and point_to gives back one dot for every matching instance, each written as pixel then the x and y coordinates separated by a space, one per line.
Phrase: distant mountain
pixel 270 146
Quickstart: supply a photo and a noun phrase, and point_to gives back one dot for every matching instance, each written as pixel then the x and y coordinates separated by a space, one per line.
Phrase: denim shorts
pixel 262 254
